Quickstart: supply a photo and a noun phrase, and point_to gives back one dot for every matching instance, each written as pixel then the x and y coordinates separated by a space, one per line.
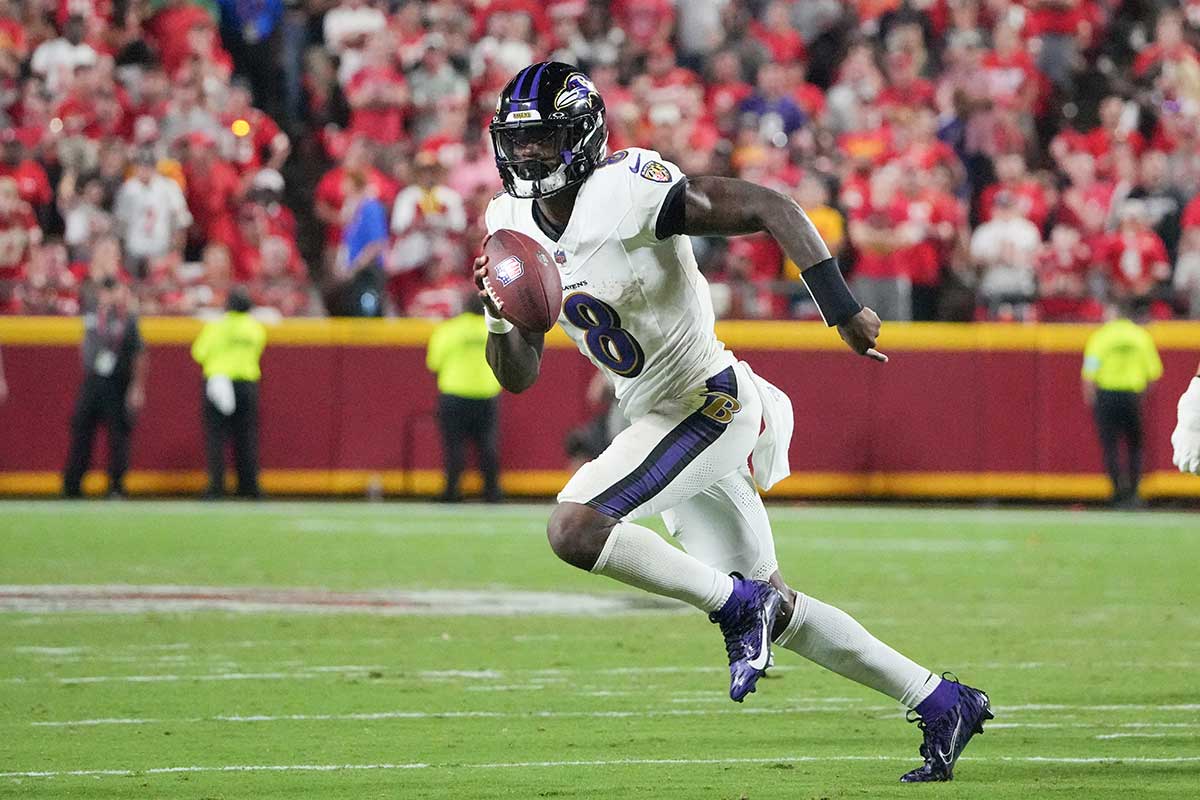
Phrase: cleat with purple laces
pixel 956 712
pixel 746 621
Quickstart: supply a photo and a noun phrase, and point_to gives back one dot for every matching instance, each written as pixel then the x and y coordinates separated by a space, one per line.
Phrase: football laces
pixel 495 298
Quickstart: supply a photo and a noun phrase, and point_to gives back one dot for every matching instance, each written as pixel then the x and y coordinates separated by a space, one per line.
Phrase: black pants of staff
pixel 1119 417
pixel 462 420
pixel 101 402
pixel 242 427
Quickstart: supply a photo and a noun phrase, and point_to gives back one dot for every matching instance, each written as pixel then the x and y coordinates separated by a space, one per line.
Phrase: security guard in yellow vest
pixel 1120 362
pixel 467 403
pixel 229 350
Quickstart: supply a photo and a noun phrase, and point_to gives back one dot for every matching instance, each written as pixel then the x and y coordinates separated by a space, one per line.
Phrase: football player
pixel 1186 438
pixel 637 306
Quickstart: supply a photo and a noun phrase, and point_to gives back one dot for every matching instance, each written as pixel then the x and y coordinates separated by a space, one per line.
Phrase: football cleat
pixel 947 735
pixel 746 621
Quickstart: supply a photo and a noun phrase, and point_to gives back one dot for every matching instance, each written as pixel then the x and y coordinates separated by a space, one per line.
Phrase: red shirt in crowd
pixel 213 191
pixel 32 183
pixel 644 21
pixel 875 263
pixel 332 190
pixel 721 98
pixel 1009 78
pixel 918 93
pixel 1135 260
pixel 1062 284
pixel 933 216
pixel 785 46
pixel 1029 194
pixel 17 231
pixel 1191 214
pixel 168 31
pixel 383 124
pixel 810 98
pixel 1064 19
pixel 248 150
pixel 12 35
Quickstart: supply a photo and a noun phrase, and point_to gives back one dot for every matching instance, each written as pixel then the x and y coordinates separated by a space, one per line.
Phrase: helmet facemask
pixel 545 157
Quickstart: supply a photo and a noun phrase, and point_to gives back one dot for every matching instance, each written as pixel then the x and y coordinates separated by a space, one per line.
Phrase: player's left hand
pixel 1186 438
pixel 860 332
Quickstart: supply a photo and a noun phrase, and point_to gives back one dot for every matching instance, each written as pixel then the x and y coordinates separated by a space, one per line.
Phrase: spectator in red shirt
pixel 906 88
pixel 1028 194
pixel 445 288
pixel 1013 80
pixel 378 95
pixel 1063 264
pixel 258 143
pixel 1169 46
pixel 664 83
pixel 1085 202
pixel 881 280
pixel 725 89
pixel 49 287
pixel 1134 256
pixel 1115 129
pixel 19 233
pixel 333 187
pixel 28 175
pixel 266 191
pixel 213 192
pixel 646 22
pixel 776 33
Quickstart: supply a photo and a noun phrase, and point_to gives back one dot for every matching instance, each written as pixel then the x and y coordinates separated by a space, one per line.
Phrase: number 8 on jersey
pixel 608 342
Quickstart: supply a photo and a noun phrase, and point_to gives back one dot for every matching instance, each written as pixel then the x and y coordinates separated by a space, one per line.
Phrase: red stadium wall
pixel 961 410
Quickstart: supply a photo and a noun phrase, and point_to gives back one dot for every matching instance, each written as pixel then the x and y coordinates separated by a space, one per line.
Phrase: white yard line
pixel 816 706
pixel 171 598
pixel 578 763
pixel 307 674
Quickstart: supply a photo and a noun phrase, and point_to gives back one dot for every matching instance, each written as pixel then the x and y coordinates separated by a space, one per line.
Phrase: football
pixel 523 281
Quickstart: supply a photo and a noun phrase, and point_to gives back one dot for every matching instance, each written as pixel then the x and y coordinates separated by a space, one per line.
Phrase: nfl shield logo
pixel 560 257
pixel 509 270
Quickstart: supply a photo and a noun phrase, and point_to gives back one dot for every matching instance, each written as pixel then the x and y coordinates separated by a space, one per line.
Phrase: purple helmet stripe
pixel 537 77
pixel 516 95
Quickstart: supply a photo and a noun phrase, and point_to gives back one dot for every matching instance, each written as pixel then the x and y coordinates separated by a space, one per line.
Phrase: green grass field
pixel 192 668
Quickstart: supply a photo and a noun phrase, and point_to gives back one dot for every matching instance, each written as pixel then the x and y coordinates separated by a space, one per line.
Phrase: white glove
pixel 219 389
pixel 1186 438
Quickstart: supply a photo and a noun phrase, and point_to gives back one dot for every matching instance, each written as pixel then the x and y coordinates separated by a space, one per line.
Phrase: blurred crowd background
pixel 966 159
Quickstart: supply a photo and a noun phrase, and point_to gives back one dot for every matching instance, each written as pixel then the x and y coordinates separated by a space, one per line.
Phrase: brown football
pixel 523 281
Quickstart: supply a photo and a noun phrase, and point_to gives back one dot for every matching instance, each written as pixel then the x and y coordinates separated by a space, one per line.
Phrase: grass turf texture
pixel 1081 625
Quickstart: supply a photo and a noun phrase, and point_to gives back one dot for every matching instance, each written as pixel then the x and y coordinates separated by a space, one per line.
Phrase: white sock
pixel 836 641
pixel 640 557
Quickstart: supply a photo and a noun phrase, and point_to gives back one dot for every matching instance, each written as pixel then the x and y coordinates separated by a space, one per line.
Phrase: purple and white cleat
pixel 957 712
pixel 746 621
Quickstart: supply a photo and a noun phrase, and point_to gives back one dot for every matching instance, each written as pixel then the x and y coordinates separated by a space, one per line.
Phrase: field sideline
pixel 352 650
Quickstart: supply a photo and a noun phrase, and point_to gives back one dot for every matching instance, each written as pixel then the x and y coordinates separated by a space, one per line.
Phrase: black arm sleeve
pixel 671 215
pixel 834 299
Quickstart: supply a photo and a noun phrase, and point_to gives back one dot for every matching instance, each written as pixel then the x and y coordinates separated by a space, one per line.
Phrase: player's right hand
pixel 480 268
pixel 861 332
pixel 1186 438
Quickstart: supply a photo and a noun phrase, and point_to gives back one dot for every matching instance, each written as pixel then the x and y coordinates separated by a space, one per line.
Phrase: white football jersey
pixel 635 305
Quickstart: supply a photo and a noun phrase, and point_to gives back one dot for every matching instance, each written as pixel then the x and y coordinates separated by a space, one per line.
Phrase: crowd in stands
pixel 966 159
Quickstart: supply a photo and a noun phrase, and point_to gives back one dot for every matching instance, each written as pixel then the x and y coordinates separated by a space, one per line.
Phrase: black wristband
pixel 834 299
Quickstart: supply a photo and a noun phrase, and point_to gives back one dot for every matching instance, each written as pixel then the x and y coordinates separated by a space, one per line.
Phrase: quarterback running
pixel 637 306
